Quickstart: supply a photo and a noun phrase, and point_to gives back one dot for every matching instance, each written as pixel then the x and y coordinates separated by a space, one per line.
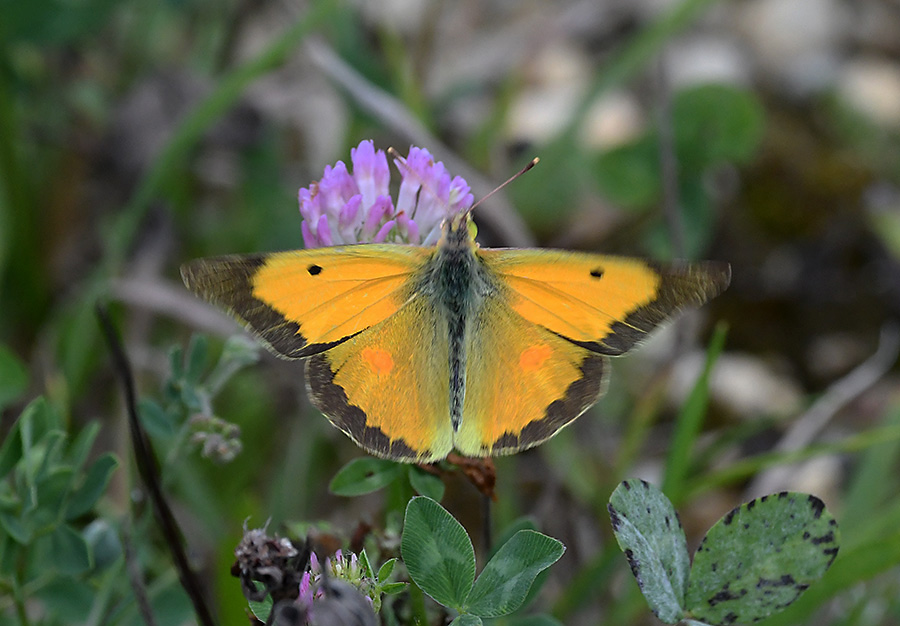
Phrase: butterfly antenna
pixel 531 164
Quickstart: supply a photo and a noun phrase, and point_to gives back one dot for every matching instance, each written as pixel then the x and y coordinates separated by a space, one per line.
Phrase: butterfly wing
pixel 303 302
pixel 378 360
pixel 388 388
pixel 523 383
pixel 537 349
pixel 606 304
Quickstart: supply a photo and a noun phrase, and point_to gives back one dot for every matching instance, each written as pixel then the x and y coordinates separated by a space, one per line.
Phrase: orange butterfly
pixel 414 351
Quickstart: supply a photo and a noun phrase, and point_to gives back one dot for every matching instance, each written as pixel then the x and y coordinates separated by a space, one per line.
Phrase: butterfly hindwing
pixel 303 302
pixel 606 304
pixel 388 386
pixel 523 383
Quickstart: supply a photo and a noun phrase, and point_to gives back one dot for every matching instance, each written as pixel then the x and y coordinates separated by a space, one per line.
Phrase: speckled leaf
pixel 649 532
pixel 760 557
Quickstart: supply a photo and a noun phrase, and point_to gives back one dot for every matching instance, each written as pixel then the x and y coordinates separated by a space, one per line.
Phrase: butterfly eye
pixel 314 270
pixel 597 273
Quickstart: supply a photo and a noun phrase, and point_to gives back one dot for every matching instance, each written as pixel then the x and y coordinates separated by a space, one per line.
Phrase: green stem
pixel 417 604
pixel 18 595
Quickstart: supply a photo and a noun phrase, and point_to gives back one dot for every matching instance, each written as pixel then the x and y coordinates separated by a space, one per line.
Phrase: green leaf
pixel 649 532
pixel 82 444
pixel 467 620
pixel 392 588
pixel 69 551
pixel 760 557
pixel 11 450
pixel 69 600
pixel 716 124
pixel 503 584
pixel 364 475
pixel 10 555
pixel 13 377
pixel 263 608
pixel 155 419
pixel 104 542
pixel 629 175
pixel 438 552
pixel 52 489
pixel 16 528
pixel 520 523
pixel 426 483
pixel 364 565
pixel 95 482
pixel 197 356
pixel 385 571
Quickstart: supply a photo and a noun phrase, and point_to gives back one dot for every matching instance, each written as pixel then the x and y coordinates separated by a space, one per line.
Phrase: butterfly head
pixel 458 230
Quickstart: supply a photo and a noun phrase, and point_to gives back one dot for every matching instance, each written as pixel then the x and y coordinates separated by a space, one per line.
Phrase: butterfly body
pixel 416 351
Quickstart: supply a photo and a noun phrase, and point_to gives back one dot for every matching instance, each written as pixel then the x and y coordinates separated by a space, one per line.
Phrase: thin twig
pixel 134 576
pixel 487 522
pixel 501 217
pixel 808 426
pixel 149 473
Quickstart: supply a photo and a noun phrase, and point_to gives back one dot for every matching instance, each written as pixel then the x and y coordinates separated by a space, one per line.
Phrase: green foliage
pixel 13 377
pixel 713 125
pixel 47 488
pixel 754 562
pixel 649 532
pixel 367 474
pixel 440 559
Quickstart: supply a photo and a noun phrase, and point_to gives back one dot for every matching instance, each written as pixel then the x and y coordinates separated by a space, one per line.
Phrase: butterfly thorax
pixel 462 287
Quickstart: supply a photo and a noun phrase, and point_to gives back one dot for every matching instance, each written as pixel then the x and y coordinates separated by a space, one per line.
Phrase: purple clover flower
pixel 346 208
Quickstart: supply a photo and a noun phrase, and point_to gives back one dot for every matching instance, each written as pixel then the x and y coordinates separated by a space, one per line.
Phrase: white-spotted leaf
pixel 760 557
pixel 649 532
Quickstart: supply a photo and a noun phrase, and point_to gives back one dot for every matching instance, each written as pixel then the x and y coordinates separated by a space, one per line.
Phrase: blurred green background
pixel 135 136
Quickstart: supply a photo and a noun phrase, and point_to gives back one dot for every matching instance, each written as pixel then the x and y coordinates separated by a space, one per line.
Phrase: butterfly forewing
pixel 303 302
pixel 607 304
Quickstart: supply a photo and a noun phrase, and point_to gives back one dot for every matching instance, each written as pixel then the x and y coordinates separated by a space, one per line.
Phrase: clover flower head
pixel 347 207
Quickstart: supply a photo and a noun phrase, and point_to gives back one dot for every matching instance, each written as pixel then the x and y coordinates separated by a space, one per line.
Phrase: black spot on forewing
pixel 332 401
pixel 681 286
pixel 228 282
pixel 597 272
pixel 314 270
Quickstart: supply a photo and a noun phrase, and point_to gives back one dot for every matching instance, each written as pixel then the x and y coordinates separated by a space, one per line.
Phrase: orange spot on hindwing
pixel 378 360
pixel 533 358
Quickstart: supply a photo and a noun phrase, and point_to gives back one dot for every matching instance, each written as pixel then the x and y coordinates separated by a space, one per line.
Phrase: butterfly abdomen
pixel 460 294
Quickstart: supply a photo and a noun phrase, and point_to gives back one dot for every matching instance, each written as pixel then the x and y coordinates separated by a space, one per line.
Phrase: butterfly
pixel 418 351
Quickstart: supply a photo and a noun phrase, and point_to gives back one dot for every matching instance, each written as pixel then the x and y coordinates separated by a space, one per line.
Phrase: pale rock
pixel 558 77
pixel 871 86
pixel 796 41
pixel 705 59
pixel 742 384
pixel 612 120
